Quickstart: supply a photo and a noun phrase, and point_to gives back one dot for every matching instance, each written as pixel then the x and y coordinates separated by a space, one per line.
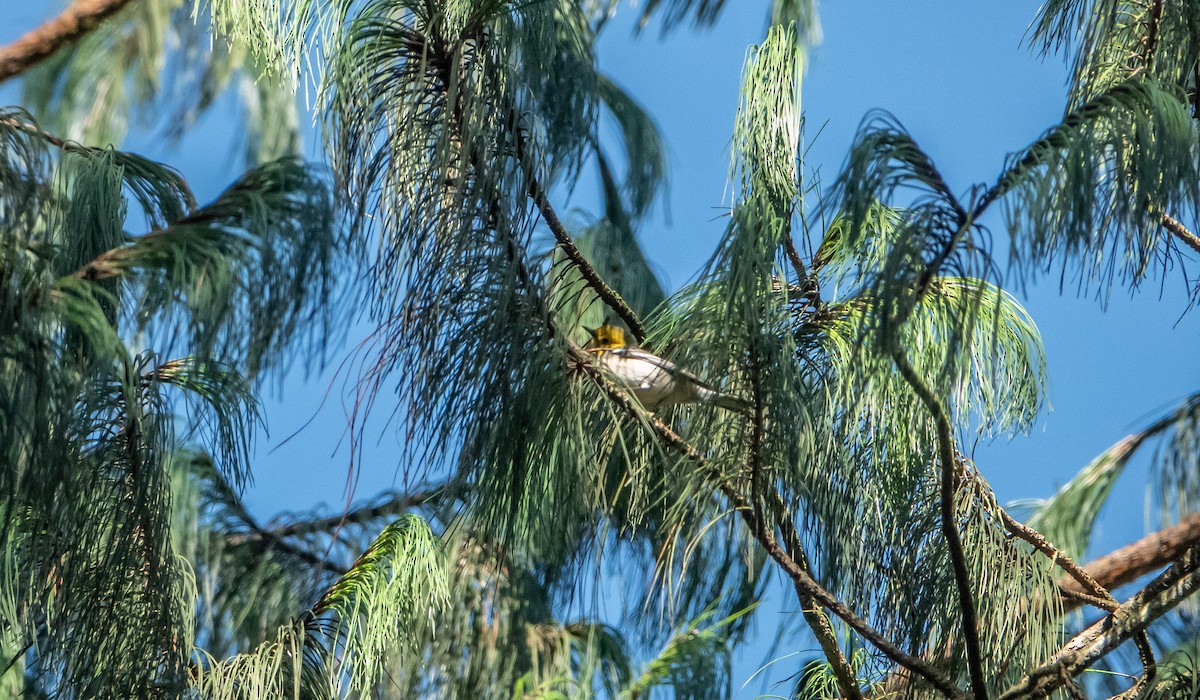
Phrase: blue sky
pixel 958 77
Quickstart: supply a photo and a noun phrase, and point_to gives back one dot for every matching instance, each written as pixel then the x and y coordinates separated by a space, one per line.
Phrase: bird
pixel 657 383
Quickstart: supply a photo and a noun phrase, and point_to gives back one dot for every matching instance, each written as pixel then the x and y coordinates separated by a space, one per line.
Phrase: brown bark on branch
pixel 41 42
pixel 958 559
pixel 1159 597
pixel 801 579
pixel 1135 560
pixel 1181 232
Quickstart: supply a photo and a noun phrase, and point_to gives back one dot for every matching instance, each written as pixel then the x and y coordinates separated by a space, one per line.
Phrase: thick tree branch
pixel 40 43
pixel 1135 560
pixel 958 558
pixel 1159 597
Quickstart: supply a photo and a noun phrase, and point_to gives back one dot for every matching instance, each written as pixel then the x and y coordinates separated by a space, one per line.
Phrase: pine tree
pixel 863 325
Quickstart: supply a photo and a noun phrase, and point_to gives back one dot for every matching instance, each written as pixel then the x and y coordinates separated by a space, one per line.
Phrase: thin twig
pixel 1062 560
pixel 35 131
pixel 39 43
pixel 396 504
pixel 1100 596
pixel 958 558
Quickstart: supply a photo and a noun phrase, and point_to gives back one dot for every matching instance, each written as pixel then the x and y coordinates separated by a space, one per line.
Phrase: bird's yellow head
pixel 607 337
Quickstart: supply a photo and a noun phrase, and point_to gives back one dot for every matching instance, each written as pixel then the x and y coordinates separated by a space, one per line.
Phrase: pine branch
pixel 565 243
pixel 817 621
pixel 38 44
pixel 1135 560
pixel 958 558
pixel 1159 597
pixel 800 578
pixel 398 503
pixel 1099 594
pixel 1156 10
pixel 265 539
pixel 1181 232
pixel 1090 589
pixel 34 130
pixel 813 615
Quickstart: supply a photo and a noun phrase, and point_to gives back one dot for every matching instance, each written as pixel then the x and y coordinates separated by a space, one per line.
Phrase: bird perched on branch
pixel 655 382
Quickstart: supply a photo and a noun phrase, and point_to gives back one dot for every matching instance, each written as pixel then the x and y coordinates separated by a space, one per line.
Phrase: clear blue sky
pixel 957 76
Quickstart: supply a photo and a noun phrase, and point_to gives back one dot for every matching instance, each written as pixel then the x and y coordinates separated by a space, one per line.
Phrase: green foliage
pixel 694 663
pixel 337 647
pixel 645 155
pixel 131 354
pixel 1092 191
pixel 153 66
pixel 1107 42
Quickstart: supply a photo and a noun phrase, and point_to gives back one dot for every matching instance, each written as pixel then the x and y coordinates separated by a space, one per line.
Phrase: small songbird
pixel 655 382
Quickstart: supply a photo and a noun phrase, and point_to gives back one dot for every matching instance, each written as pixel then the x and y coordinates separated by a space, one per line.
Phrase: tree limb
pixel 813 615
pixel 800 578
pixel 41 42
pixel 567 245
pixel 1137 559
pixel 398 503
pixel 958 558
pixel 1159 597
pixel 1091 591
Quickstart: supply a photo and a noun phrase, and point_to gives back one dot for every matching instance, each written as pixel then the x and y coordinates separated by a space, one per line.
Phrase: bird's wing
pixel 665 365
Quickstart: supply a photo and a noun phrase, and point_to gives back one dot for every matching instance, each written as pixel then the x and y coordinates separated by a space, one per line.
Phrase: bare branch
pixel 1159 597
pixel 34 130
pixel 1181 232
pixel 1135 560
pixel 40 43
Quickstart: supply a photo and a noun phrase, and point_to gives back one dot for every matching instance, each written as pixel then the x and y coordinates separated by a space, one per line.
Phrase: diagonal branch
pixel 1181 232
pixel 35 131
pixel 1159 597
pixel 1093 593
pixel 602 289
pixel 1135 560
pixel 817 621
pixel 958 558
pixel 397 503
pixel 801 579
pixel 38 44
pixel 813 615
